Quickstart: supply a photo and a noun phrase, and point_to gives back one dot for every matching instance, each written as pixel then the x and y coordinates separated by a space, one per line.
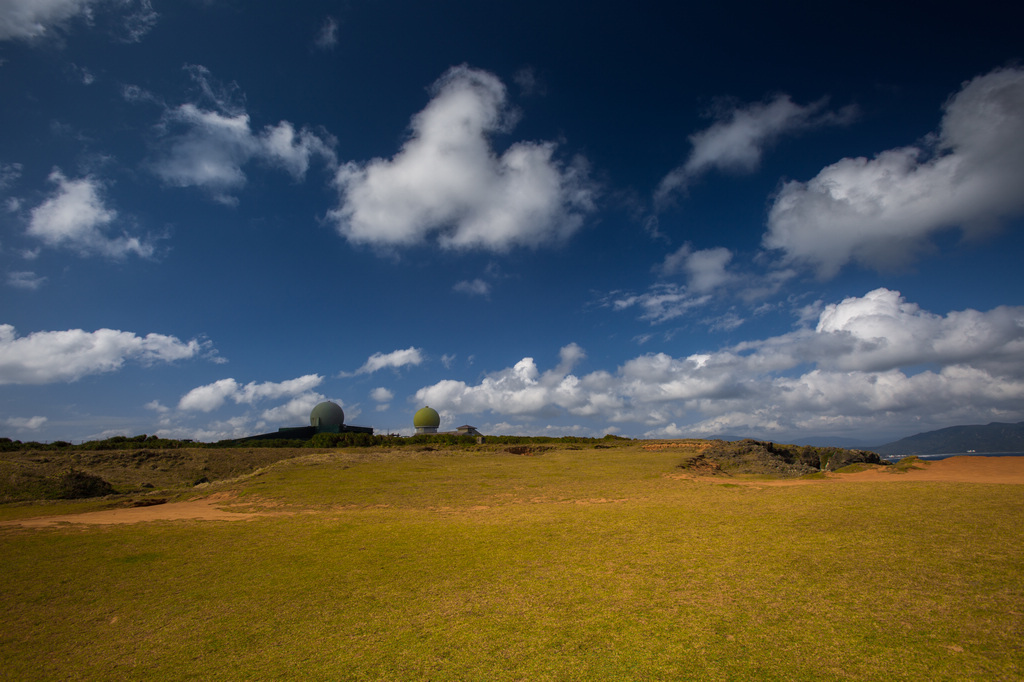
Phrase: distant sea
pixel 893 458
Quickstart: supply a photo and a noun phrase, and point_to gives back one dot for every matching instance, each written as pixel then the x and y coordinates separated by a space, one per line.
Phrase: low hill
pixel 994 437
pixel 749 456
pixel 75 474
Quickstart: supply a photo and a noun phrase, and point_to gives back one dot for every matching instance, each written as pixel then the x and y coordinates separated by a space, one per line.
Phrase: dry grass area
pixel 140 470
pixel 227 507
pixel 571 563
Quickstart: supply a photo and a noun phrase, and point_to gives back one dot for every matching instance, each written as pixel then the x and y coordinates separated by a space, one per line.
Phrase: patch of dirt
pixel 962 469
pixel 210 508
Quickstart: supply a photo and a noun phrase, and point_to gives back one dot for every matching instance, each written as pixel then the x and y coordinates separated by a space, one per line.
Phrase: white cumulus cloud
pixel 296 411
pixel 520 390
pixel 876 361
pixel 705 269
pixel 60 356
pixel 76 217
pixel 211 396
pixel 29 423
pixel 381 395
pixel 882 212
pixel 447 182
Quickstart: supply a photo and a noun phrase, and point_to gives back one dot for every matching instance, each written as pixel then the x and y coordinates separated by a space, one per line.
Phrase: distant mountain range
pixel 994 437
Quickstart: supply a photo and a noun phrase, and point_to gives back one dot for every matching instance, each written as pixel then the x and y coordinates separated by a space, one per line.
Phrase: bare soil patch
pixel 963 469
pixel 212 508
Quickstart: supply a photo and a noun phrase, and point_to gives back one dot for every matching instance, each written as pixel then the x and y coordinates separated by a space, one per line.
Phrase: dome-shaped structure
pixel 426 420
pixel 428 416
pixel 327 414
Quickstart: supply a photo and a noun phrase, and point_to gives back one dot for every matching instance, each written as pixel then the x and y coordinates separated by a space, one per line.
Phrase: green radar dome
pixel 327 414
pixel 426 418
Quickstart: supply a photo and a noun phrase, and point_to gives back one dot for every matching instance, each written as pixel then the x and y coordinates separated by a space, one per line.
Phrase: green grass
pixel 856 468
pixel 571 565
pixel 905 464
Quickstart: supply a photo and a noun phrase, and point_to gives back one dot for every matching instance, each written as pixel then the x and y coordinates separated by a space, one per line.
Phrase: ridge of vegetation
pixel 143 464
pixel 765 458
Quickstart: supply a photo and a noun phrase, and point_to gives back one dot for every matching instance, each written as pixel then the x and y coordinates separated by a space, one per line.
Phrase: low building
pixel 326 417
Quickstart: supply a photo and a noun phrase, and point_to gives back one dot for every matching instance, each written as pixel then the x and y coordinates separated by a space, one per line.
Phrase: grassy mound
pixel 70 484
pixel 71 474
pixel 772 459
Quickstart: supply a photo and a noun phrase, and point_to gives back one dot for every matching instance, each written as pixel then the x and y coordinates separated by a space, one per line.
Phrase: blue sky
pixel 790 222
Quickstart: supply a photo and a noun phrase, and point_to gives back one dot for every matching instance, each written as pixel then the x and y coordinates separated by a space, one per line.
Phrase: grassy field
pixel 565 564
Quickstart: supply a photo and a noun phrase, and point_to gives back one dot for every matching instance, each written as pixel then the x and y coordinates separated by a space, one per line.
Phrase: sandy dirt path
pixel 963 469
pixel 203 509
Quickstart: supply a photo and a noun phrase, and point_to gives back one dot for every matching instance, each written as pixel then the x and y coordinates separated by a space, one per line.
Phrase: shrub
pixel 74 484
pixel 70 484
pixel 763 457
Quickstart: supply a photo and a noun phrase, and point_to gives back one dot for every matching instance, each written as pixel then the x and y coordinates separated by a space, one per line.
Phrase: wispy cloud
pixel 448 183
pixel 393 360
pixel 327 36
pixel 476 287
pixel 25 280
pixel 662 302
pixel 738 140
pixel 881 212
pixel 9 174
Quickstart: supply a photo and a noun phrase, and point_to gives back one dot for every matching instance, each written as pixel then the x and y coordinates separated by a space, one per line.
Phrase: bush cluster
pixel 114 443
pixel 70 484
pixel 320 440
pixel 764 457
pixel 351 440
